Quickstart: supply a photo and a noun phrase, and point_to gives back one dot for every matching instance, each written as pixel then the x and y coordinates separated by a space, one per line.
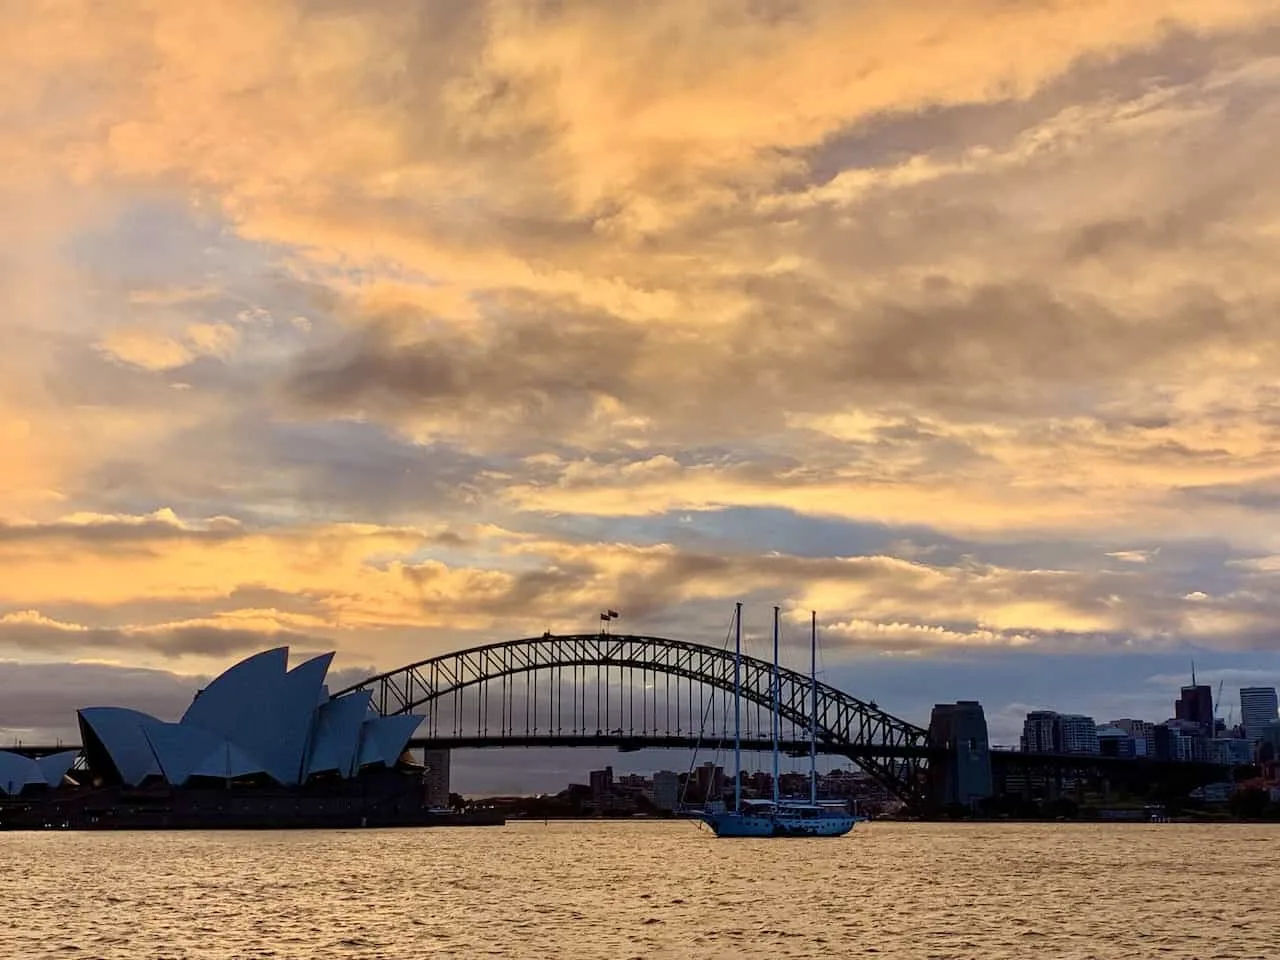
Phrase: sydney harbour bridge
pixel 639 692
pixel 633 692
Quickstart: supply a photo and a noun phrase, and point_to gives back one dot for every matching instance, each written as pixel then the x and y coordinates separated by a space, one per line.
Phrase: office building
pixel 666 790
pixel 1142 732
pixel 1269 743
pixel 1046 731
pixel 1079 734
pixel 1114 742
pixel 601 786
pixel 436 776
pixel 708 783
pixel 1040 732
pixel 1195 705
pixel 1257 709
pixel 1231 751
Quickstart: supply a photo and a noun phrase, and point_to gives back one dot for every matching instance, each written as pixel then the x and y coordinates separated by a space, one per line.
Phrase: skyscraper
pixel 1078 734
pixel 1196 705
pixel 1040 732
pixel 436 777
pixel 1257 709
pixel 1046 731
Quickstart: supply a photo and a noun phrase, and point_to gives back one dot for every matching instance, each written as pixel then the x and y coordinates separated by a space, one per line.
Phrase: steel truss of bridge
pixel 637 692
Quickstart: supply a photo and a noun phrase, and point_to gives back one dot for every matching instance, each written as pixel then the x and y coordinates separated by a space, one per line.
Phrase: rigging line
pixel 693 757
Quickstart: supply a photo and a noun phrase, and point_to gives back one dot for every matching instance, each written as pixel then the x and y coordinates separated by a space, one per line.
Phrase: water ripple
pixel 645 890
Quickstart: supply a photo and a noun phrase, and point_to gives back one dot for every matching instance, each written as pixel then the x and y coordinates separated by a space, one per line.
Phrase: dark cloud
pixel 42 697
pixel 1014 349
pixel 257 466
pixel 1257 496
pixel 47 638
pixel 38 701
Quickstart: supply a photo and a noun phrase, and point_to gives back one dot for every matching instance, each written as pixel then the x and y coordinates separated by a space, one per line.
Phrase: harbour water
pixel 647 889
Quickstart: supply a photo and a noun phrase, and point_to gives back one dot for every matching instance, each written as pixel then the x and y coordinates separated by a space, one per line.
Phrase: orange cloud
pixel 963 266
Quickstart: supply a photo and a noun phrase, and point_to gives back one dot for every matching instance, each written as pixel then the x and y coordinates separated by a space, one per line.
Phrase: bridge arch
pixel 891 750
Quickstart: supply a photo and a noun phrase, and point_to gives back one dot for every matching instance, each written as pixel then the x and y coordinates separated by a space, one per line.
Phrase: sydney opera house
pixel 260 746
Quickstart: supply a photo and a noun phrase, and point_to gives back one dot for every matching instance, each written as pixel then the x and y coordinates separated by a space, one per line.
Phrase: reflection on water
pixel 910 891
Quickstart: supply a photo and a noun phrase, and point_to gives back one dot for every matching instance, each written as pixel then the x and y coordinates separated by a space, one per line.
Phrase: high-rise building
pixel 436 777
pixel 1195 705
pixel 601 786
pixel 1045 731
pixel 1079 734
pixel 1258 708
pixel 708 785
pixel 1143 734
pixel 666 790
pixel 1040 732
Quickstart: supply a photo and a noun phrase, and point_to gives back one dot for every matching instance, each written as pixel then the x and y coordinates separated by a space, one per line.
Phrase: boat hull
pixel 756 825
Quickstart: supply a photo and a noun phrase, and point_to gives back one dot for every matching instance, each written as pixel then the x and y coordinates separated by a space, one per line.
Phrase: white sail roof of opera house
pixel 18 772
pixel 258 717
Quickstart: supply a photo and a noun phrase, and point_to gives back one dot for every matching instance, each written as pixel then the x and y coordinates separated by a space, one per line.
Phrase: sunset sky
pixel 393 327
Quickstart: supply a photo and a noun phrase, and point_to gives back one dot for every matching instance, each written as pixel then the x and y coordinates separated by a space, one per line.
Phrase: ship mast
pixel 775 709
pixel 737 709
pixel 813 709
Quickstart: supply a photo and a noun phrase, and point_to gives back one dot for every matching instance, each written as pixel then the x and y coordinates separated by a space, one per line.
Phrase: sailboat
pixel 776 817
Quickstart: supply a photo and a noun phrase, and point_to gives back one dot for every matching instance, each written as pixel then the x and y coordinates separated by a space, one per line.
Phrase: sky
pixel 393 327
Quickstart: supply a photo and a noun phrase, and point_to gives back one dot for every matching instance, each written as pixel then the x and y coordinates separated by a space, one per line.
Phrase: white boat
pixel 776 817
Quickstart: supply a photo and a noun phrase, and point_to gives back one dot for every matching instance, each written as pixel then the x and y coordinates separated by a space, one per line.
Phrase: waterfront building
pixel 666 790
pixel 19 773
pixel 792 784
pixel 1143 734
pixel 1269 743
pixel 1040 732
pixel 257 720
pixel 1114 742
pixel 1258 707
pixel 1046 731
pixel 436 775
pixel 708 785
pixel 601 782
pixel 1232 751
pixel 1179 740
pixel 1079 734
pixel 757 784
pixel 845 785
pixel 636 783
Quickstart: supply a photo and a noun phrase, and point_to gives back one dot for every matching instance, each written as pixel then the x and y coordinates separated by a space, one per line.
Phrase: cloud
pixel 120 529
pixel 1133 556
pixel 365 588
pixel 148 352
pixel 38 700
pixel 398 326
pixel 215 639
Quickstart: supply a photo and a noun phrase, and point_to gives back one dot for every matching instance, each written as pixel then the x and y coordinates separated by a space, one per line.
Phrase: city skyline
pixel 394 328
